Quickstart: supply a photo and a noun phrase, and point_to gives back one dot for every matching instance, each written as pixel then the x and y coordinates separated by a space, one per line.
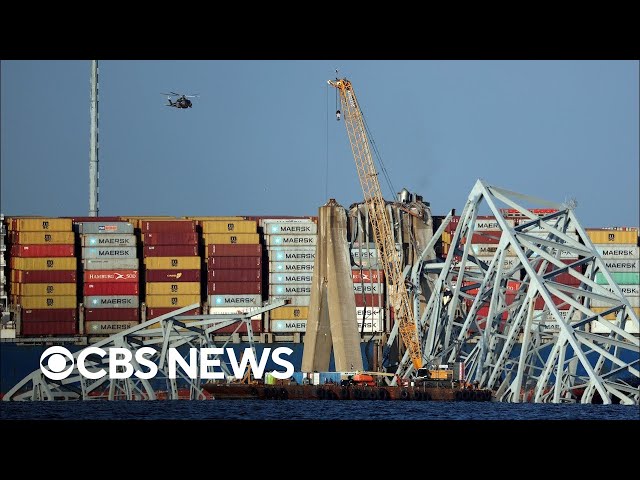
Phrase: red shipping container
pixel 221 250
pixel 256 326
pixel 111 314
pixel 42 250
pixel 241 275
pixel 40 328
pixel 44 276
pixel 110 276
pixel 53 315
pixel 168 226
pixel 185 238
pixel 216 263
pixel 170 250
pixel 173 275
pixel 367 276
pixel 156 312
pixel 234 288
pixel 368 300
pixel 115 288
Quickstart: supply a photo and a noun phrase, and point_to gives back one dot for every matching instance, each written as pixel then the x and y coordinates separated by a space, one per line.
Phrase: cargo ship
pixel 73 281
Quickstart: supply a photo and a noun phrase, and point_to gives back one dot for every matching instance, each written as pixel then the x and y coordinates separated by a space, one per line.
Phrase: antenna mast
pixel 93 142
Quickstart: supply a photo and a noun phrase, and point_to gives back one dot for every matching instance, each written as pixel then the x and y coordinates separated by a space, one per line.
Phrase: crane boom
pixel 378 216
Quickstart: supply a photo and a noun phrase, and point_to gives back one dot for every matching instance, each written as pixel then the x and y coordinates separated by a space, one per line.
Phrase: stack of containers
pixel 172 266
pixel 111 285
pixel 4 299
pixel 233 255
pixel 43 275
pixel 368 287
pixel 619 250
pixel 291 251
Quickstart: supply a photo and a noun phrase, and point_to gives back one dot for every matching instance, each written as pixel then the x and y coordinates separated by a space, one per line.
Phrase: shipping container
pixel 170 238
pixel 622 265
pixel 240 275
pixel 168 301
pixel 235 300
pixel 265 221
pixel 374 288
pixel 109 252
pixel 234 310
pixel 621 278
pixel 482 223
pixel 106 327
pixel 172 263
pixel 291 240
pixel 625 252
pixel 111 301
pixel 612 316
pixel 44 289
pixel 294 300
pixel 111 276
pixel 44 276
pixel 256 327
pixel 236 250
pixel 371 325
pixel 108 289
pixel 291 228
pixel 173 288
pixel 35 328
pixel 30 251
pixel 485 249
pixel 53 263
pixel 49 315
pixel 170 250
pixel 290 289
pixel 288 278
pixel 46 302
pixel 110 263
pixel 111 314
pixel 634 301
pixel 234 288
pixel 367 276
pixel 157 312
pixel 289 313
pixel 229 226
pixel 369 300
pixel 42 238
pixel 231 238
pixel 627 290
pixel 172 275
pixel 288 326
pixel 292 254
pixel 108 240
pixel 105 227
pixel 94 219
pixel 219 263
pixel 291 267
pixel 41 225
pixel 167 226
pixel 613 237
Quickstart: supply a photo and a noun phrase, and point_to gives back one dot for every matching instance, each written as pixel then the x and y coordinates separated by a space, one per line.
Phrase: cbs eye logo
pixel 57 367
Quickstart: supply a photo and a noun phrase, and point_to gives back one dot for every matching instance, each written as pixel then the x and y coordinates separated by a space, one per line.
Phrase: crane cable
pixel 326 173
pixel 378 156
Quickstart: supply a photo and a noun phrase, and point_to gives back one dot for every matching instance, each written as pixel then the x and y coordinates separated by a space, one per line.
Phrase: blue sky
pixel 258 138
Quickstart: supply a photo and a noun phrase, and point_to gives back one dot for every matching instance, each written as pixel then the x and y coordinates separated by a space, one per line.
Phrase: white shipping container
pixel 109 252
pixel 294 300
pixel 291 240
pixel 286 278
pixel 112 301
pixel 368 288
pixel 290 228
pixel 633 301
pixel 228 310
pixel 486 249
pixel 288 326
pixel 291 267
pixel 370 313
pixel 290 289
pixel 622 265
pixel 370 325
pixel 597 327
pixel 234 300
pixel 292 254
pixel 626 252
pixel 627 290
pixel 108 240
pixel 110 263
pixel 105 227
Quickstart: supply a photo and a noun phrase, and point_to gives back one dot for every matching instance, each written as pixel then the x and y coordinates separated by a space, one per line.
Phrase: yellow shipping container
pixel 168 301
pixel 206 219
pixel 44 289
pixel 173 263
pixel 289 313
pixel 228 226
pixel 230 238
pixel 43 238
pixel 56 263
pixel 175 288
pixel 613 237
pixel 612 316
pixel 446 238
pixel 51 301
pixel 41 225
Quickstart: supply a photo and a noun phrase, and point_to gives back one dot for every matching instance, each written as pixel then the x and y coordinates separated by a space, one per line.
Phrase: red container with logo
pixel 220 250
pixel 43 276
pixel 115 288
pixel 367 276
pixel 38 328
pixel 240 275
pixel 111 314
pixel 173 275
pixel 111 276
pixel 216 263
pixel 163 238
pixel 156 312
pixel 368 300
pixel 49 315
pixel 256 326
pixel 234 288
pixel 167 226
pixel 170 250
pixel 30 251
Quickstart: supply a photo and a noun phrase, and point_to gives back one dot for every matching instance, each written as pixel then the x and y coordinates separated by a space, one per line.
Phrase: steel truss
pixel 562 352
pixel 172 330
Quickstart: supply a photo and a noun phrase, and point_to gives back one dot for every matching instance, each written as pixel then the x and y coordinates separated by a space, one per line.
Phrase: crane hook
pixel 338 115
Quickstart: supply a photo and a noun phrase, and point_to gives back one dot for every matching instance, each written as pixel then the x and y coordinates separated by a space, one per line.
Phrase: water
pixel 309 410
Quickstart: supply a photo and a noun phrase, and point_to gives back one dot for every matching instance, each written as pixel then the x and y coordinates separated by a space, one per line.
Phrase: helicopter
pixel 182 100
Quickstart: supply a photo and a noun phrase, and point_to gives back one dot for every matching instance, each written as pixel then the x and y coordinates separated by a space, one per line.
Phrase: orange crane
pixel 380 223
